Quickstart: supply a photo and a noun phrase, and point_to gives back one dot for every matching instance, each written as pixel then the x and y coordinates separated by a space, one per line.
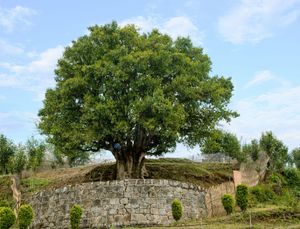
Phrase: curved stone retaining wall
pixel 117 203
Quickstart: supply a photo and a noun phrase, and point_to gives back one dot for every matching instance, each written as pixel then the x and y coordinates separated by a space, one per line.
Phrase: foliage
pixel 75 216
pixel 275 149
pixel 145 92
pixel 7 218
pixel 18 162
pixel 263 194
pixel 36 150
pixel 274 178
pixel 296 157
pixel 228 203
pixel 242 196
pixel 176 210
pixel 25 216
pixel 292 177
pixel 252 149
pixel 4 203
pixel 7 150
pixel 225 142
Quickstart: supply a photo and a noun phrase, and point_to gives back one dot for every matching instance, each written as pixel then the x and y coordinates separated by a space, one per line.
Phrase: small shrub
pixel 7 218
pixel 4 203
pixel 228 203
pixel 242 196
pixel 75 216
pixel 25 216
pixel 176 210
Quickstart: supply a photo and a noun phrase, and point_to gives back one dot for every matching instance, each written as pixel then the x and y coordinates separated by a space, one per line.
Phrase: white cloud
pixel 260 77
pixel 15 121
pixel 2 97
pixel 254 20
pixel 7 48
pixel 35 76
pixel 15 17
pixel 278 112
pixel 39 70
pixel 176 26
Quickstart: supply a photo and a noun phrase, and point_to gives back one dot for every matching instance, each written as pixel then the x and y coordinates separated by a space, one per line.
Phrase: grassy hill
pixel 185 170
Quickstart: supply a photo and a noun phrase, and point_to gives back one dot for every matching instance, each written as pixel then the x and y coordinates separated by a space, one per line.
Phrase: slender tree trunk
pixel 18 180
pixel 130 165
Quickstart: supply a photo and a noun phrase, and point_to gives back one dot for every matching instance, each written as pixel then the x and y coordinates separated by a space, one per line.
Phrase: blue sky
pixel 256 42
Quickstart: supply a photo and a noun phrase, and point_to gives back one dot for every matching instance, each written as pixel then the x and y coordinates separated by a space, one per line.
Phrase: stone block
pixel 114 201
pixel 138 217
pixel 112 211
pixel 124 201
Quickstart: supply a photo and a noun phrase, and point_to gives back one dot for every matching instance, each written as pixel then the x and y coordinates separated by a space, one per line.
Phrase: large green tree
pixel 145 92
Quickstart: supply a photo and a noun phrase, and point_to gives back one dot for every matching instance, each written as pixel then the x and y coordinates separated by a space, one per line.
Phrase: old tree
pixel 145 92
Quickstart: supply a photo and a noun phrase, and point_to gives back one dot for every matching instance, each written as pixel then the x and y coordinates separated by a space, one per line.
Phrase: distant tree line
pixel 228 143
pixel 14 158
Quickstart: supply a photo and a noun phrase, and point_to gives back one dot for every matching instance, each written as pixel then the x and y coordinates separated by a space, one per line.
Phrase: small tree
pixel 176 210
pixel 275 149
pixel 242 196
pixel 25 216
pixel 7 218
pixel 296 157
pixel 228 203
pixel 17 163
pixel 252 149
pixel 75 216
pixel 36 151
pixel 7 150
pixel 224 142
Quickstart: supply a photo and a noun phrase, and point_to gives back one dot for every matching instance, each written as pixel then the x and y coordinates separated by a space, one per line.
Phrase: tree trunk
pixel 18 180
pixel 130 165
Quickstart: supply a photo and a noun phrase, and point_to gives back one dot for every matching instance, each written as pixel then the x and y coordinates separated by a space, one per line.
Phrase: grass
pixel 33 183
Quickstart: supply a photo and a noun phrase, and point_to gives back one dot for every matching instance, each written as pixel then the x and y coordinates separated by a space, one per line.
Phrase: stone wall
pixel 117 203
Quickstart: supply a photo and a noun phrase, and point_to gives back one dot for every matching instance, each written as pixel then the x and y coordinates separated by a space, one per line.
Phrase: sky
pixel 256 42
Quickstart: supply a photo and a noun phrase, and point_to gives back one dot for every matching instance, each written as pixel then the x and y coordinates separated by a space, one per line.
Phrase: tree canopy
pixel 144 92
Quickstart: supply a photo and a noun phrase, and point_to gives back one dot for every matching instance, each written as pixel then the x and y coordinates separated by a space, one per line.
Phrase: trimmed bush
pixel 242 196
pixel 176 210
pixel 4 203
pixel 25 216
pixel 228 203
pixel 7 218
pixel 75 216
